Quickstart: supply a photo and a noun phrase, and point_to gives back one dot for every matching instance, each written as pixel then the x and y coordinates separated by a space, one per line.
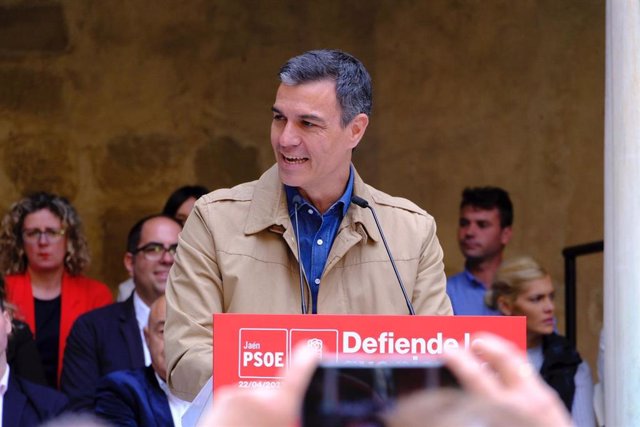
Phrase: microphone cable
pixel 303 303
pixel 364 204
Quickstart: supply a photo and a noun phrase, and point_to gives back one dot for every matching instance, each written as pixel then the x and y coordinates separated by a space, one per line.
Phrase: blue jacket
pixel 27 404
pixel 133 398
pixel 101 341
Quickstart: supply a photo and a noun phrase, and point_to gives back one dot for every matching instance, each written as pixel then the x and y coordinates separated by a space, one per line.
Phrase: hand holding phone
pixel 354 394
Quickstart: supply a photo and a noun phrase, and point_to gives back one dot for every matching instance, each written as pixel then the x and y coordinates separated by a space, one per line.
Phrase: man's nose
pixel 289 136
pixel 469 230
pixel 167 257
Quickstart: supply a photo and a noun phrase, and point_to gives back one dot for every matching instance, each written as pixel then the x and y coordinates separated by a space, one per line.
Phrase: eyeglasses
pixel 155 251
pixel 33 235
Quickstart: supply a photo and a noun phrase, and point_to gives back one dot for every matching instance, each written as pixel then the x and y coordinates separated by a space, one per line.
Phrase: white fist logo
pixel 315 344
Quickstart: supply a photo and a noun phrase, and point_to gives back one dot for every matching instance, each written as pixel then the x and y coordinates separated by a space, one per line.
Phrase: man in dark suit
pixel 140 397
pixel 110 338
pixel 22 403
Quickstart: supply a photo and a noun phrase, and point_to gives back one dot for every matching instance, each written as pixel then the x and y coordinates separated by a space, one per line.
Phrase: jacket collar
pixel 128 310
pixel 14 403
pixel 131 332
pixel 158 399
pixel 269 204
pixel 268 208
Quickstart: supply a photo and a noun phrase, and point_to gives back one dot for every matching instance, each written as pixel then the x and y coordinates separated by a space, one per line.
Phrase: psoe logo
pixel 263 352
pixel 323 342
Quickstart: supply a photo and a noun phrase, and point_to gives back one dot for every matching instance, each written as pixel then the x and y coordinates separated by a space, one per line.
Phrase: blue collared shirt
pixel 467 296
pixel 317 233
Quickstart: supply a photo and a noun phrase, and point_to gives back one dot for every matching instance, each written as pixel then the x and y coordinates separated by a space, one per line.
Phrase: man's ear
pixel 505 306
pixel 7 322
pixel 357 127
pixel 128 263
pixel 145 331
pixel 505 235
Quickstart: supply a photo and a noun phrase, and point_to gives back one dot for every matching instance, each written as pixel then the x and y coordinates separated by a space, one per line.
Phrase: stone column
pixel 622 214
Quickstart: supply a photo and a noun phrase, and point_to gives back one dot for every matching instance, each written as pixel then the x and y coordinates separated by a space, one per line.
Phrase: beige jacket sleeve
pixel 194 292
pixel 429 295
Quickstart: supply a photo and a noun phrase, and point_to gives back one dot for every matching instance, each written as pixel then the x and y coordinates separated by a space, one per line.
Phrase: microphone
pixel 364 204
pixel 297 201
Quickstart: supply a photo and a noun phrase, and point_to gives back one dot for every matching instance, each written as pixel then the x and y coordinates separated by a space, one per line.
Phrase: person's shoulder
pixel 92 290
pixel 125 376
pixel 41 396
pixel 268 182
pixel 384 200
pixel 555 339
pixel 124 379
pixel 239 193
pixel 456 278
pixel 106 314
pixel 12 278
pixel 18 291
pixel 20 332
pixel 556 346
pixel 90 284
pixel 12 281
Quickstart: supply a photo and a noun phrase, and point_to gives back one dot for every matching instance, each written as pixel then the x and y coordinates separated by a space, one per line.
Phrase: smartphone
pixel 352 395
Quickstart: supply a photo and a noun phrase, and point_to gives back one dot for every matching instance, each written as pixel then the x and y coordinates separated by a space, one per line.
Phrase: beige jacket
pixel 237 253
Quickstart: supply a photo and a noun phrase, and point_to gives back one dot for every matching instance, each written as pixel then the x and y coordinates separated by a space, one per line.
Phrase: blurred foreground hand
pixel 496 370
pixel 493 369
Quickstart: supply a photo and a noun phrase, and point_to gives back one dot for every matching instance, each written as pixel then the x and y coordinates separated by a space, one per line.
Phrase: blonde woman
pixel 523 288
pixel 43 253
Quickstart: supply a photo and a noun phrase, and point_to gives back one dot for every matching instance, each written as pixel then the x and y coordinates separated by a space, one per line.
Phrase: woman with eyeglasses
pixel 43 253
pixel 523 288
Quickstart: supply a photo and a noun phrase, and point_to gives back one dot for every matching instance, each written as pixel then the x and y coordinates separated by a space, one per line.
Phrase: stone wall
pixel 114 104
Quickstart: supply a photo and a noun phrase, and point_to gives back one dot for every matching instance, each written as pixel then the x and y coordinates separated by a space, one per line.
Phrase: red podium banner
pixel 252 350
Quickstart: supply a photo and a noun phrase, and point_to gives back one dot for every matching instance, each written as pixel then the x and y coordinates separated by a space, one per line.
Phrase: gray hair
pixel 353 83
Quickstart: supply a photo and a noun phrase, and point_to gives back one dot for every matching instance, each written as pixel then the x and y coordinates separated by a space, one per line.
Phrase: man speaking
pixel 239 249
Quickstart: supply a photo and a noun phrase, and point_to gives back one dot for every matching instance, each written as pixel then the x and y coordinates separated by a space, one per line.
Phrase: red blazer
pixel 79 294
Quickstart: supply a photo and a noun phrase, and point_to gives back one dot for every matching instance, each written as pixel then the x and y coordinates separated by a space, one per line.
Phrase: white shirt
pixel 142 316
pixel 4 385
pixel 125 289
pixel 177 406
pixel 582 406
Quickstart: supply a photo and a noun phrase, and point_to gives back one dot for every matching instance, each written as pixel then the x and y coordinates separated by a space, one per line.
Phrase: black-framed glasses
pixel 155 251
pixel 35 234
